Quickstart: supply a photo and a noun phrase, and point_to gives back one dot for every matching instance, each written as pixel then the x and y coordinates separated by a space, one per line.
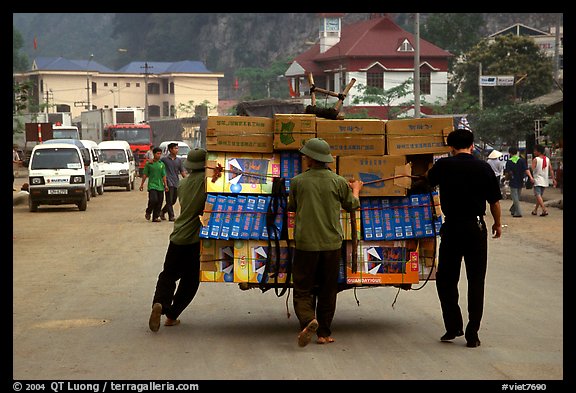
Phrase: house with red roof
pixel 377 53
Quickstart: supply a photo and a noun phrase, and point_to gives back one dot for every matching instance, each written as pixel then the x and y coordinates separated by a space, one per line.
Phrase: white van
pixel 57 176
pixel 118 164
pixel 183 148
pixel 96 171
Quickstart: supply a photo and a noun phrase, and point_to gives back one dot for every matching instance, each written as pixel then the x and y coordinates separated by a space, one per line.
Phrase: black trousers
pixel 315 280
pixel 182 263
pixel 155 199
pixel 171 198
pixel 468 240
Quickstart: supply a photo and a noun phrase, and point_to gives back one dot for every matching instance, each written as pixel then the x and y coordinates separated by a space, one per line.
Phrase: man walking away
pixel 466 184
pixel 173 169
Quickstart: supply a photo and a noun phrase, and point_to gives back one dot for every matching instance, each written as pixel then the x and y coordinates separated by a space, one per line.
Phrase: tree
pixel 505 124
pixel 506 55
pixel 19 60
pixel 555 128
pixel 456 33
pixel 376 95
pixel 262 83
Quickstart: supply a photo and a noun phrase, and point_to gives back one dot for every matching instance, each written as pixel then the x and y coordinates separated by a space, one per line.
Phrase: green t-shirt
pixel 155 171
pixel 192 196
pixel 317 196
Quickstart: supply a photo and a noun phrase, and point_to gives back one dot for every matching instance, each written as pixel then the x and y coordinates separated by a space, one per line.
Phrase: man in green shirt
pixel 182 261
pixel 317 196
pixel 155 172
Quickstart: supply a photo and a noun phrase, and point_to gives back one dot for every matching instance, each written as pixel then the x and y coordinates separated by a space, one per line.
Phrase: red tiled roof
pixel 377 38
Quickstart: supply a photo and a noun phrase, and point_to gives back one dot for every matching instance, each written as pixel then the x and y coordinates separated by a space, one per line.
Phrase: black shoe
pixel 451 336
pixel 473 343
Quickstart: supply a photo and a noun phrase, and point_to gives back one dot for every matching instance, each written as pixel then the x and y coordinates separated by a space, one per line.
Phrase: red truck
pixel 113 124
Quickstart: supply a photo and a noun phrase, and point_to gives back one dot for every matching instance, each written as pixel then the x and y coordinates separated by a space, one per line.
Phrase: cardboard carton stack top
pixel 383 154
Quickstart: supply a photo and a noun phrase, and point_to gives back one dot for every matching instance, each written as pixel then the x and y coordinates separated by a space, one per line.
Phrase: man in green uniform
pixel 155 172
pixel 182 261
pixel 317 196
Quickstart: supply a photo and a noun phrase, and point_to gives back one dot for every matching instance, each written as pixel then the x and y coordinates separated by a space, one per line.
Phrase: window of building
pixel 171 87
pixel 115 84
pixel 165 109
pixel 105 84
pixel 94 88
pixel 165 86
pixel 424 81
pixel 405 46
pixel 172 111
pixel 127 84
pixel 153 111
pixel 375 78
pixel 137 84
pixel 153 88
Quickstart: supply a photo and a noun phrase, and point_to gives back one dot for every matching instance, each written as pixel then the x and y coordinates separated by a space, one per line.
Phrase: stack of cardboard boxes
pixel 396 226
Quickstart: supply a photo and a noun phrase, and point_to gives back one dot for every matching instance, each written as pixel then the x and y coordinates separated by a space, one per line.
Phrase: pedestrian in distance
pixel 182 261
pixel 16 161
pixel 155 172
pixel 515 171
pixel 137 161
pixel 174 168
pixel 496 161
pixel 541 171
pixel 149 156
pixel 317 196
pixel 466 185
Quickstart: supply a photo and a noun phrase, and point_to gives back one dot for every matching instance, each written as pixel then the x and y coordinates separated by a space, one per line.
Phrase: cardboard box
pixel 418 136
pixel 232 124
pixel 352 126
pixel 291 131
pixel 347 144
pixel 332 165
pixel 383 262
pixel 250 258
pixel 242 141
pixel 393 170
pixel 240 134
pixel 353 136
pixel 216 260
pixel 250 173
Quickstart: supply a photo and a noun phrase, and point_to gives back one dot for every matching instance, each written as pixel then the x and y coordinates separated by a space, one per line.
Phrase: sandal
pixel 544 214
pixel 534 212
pixel 171 322
pixel 324 340
pixel 306 335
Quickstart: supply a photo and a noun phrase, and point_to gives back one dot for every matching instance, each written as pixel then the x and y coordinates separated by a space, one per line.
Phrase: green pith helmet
pixel 317 149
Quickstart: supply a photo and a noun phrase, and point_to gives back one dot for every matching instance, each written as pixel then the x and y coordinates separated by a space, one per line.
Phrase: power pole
pixel 417 67
pixel 89 106
pixel 146 67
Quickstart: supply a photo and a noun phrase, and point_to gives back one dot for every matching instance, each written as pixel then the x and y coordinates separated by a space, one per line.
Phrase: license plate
pixel 57 192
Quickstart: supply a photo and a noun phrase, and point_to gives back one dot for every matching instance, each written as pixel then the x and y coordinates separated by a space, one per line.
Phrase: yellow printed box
pixel 240 124
pixel 216 260
pixel 347 144
pixel 250 258
pixel 239 141
pixel 291 131
pixel 383 262
pixel 351 126
pixel 382 175
pixel 244 173
pixel 418 136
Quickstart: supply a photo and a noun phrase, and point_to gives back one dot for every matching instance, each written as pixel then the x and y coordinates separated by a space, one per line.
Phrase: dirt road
pixel 83 284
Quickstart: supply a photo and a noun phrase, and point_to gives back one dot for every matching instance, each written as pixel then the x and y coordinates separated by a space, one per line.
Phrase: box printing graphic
pixel 244 173
pixel 216 260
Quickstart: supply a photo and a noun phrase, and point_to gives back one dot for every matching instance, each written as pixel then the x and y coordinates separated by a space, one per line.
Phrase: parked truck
pixel 113 124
